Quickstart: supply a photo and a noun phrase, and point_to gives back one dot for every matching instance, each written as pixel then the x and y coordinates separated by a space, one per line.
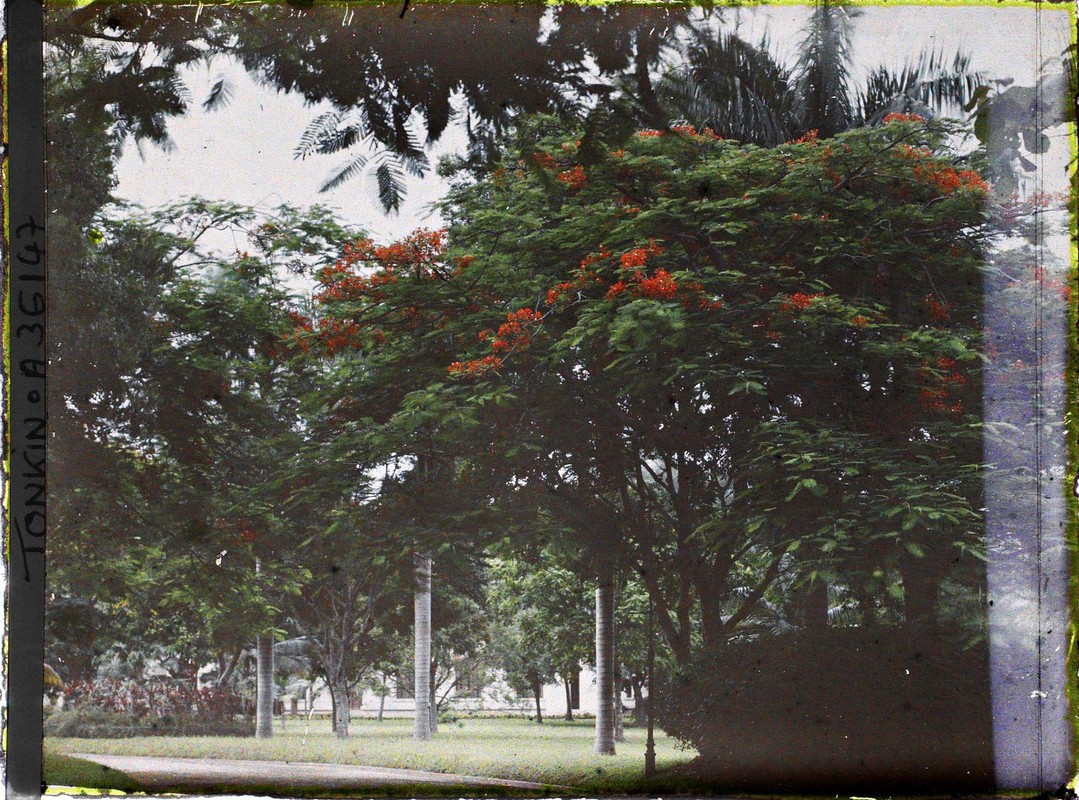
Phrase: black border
pixel 25 437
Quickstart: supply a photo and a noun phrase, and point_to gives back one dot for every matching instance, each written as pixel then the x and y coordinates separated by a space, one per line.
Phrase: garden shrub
pixel 96 723
pixel 887 708
pixel 121 708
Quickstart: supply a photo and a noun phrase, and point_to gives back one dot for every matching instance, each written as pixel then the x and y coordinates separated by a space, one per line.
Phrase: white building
pixel 495 698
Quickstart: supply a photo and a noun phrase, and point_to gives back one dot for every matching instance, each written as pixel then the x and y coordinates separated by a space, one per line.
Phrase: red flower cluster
pixel 938 310
pixel 302 327
pixel 616 289
pixel 903 118
pixel 937 396
pixel 545 160
pixel 947 180
pixel 637 257
pixel 555 293
pixel 594 258
pixel 799 301
pixel 422 250
pixel 660 286
pixel 512 334
pixel 574 177
pixel 475 367
pixel 336 335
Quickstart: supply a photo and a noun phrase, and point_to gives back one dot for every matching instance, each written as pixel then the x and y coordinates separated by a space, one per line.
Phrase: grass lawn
pixel 556 752
pixel 61 770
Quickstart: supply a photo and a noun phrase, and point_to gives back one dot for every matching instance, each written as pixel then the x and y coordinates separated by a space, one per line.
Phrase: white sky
pixel 244 154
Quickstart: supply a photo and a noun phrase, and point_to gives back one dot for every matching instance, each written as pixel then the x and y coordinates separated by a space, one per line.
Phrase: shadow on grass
pixel 61 770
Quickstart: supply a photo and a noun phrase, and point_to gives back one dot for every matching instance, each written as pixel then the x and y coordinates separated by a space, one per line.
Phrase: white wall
pixel 496 698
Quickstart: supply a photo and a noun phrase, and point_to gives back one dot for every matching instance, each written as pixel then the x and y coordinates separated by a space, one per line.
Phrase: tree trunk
pixel 341 710
pixel 537 692
pixel 646 93
pixel 227 673
pixel 618 723
pixel 619 720
pixel 264 687
pixel 381 705
pixel 569 699
pixel 333 710
pixel 605 661
pixel 422 724
pixel 638 701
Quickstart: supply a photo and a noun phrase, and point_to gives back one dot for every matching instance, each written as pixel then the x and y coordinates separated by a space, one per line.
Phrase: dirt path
pixel 158 772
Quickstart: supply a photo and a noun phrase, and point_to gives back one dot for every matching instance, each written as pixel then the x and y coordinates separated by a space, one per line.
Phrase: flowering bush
pixel 154 698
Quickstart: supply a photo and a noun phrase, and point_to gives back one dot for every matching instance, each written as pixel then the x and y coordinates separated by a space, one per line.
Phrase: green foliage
pixel 95 723
pixel 540 620
pixel 736 356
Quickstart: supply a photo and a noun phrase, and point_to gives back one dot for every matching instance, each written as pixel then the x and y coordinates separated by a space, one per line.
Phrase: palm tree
pixel 743 92
pixel 264 687
pixel 422 728
pixel 605 687
pixel 264 684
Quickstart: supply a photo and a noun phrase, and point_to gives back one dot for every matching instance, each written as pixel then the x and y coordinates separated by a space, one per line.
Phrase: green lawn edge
pixel 64 770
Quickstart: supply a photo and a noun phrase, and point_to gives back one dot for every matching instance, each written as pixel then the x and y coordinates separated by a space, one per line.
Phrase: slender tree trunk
pixel 618 723
pixel 638 701
pixel 619 719
pixel 264 687
pixel 381 705
pixel 227 674
pixel 646 93
pixel 569 699
pixel 537 692
pixel 341 710
pixel 333 710
pixel 434 712
pixel 605 660
pixel 422 724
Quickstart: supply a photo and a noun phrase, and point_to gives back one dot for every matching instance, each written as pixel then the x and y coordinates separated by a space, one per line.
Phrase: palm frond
pixel 318 129
pixel 346 171
pixel 390 182
pixel 176 84
pixel 220 95
pixel 932 83
pixel 822 80
pixel 737 89
pixel 339 139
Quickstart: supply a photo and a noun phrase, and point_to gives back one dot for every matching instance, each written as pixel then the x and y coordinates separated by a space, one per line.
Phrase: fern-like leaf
pixel 346 171
pixel 391 185
pixel 220 95
pixel 321 127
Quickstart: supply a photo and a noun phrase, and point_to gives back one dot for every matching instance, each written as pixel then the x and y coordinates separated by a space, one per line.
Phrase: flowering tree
pixel 731 369
pixel 744 357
